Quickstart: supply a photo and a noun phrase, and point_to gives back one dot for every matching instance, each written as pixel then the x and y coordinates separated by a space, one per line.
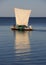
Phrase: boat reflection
pixel 22 46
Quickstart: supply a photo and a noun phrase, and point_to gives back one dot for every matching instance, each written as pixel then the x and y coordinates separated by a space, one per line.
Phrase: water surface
pixel 23 48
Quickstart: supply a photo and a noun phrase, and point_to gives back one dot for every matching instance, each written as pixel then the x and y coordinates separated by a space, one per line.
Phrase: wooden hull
pixel 26 29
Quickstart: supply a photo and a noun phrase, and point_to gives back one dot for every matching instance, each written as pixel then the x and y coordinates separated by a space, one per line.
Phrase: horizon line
pixel 29 17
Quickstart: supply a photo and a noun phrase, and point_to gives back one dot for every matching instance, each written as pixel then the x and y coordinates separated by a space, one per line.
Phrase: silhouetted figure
pixel 14 25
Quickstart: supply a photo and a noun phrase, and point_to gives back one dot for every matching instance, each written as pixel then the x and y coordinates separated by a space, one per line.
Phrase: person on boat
pixel 14 25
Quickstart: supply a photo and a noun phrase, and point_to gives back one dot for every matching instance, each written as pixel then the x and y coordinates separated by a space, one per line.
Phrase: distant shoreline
pixel 13 18
pixel 29 17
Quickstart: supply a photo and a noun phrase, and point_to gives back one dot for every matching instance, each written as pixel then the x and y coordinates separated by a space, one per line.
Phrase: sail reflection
pixel 22 46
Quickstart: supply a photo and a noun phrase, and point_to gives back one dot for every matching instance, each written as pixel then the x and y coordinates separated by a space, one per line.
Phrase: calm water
pixel 23 48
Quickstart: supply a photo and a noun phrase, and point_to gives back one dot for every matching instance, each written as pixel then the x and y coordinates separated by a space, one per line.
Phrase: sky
pixel 38 7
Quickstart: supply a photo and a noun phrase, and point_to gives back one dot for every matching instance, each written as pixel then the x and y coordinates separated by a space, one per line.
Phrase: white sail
pixel 22 16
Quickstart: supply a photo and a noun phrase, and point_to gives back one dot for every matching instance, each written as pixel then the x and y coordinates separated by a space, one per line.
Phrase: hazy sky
pixel 38 7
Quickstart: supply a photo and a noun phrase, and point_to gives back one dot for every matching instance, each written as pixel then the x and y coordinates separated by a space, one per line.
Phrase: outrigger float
pixel 21 28
pixel 22 17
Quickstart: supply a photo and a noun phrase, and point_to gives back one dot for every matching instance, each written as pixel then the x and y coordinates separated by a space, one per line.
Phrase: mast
pixel 22 16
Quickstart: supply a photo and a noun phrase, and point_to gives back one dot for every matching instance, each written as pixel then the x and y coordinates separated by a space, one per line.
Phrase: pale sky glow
pixel 38 7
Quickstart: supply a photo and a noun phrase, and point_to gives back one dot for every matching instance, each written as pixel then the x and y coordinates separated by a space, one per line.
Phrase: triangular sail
pixel 22 16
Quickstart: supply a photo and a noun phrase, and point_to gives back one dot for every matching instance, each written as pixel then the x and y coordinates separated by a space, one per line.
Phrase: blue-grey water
pixel 23 48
